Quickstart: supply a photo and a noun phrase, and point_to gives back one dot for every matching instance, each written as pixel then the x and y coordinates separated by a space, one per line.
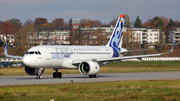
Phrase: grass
pixel 130 66
pixel 152 90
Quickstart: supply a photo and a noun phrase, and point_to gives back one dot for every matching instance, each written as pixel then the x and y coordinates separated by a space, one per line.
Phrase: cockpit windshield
pixel 33 52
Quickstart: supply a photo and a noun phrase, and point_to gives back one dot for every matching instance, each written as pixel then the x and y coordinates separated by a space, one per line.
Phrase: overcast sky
pixel 103 10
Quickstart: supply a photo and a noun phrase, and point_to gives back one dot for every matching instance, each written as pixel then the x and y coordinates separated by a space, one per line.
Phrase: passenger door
pixel 48 56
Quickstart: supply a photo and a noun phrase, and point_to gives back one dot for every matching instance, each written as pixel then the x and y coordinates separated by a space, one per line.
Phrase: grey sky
pixel 103 10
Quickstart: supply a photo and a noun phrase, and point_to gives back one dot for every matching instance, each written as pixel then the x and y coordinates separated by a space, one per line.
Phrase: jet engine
pixel 32 71
pixel 89 68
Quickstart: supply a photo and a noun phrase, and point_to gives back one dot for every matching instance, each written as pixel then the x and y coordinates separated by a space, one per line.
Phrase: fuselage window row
pixel 33 52
pixel 78 53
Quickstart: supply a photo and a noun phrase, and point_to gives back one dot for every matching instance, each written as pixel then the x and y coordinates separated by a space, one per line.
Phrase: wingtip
pixel 6 48
pixel 173 46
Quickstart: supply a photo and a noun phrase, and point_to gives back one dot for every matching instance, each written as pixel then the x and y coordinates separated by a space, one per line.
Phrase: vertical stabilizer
pixel 116 37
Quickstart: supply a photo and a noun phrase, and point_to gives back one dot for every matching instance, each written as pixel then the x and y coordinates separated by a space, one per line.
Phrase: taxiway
pixel 79 78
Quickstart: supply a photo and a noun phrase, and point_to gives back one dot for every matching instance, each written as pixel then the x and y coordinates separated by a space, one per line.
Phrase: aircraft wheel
pixel 95 76
pixel 39 77
pixel 59 75
pixel 55 75
pixel 90 76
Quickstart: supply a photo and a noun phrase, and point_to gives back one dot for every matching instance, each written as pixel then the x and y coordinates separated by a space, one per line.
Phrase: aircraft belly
pixel 51 63
pixel 68 64
pixel 57 63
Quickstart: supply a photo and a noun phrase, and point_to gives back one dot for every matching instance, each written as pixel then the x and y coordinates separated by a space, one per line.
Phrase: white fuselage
pixel 56 56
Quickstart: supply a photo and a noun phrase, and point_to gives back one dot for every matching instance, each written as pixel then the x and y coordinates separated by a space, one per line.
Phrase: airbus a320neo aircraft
pixel 87 59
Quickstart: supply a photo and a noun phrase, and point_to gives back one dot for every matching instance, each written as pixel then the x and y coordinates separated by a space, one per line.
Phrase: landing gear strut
pixel 57 74
pixel 39 76
pixel 95 76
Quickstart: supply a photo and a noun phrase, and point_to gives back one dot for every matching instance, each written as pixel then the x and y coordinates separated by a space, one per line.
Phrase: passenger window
pixel 39 53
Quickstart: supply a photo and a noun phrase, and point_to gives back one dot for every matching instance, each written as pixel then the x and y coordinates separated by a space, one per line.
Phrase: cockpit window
pixel 33 52
pixel 39 53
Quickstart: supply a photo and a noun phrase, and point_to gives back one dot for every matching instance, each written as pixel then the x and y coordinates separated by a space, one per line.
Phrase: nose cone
pixel 27 61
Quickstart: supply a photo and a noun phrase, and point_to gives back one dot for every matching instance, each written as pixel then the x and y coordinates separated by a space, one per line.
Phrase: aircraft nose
pixel 26 61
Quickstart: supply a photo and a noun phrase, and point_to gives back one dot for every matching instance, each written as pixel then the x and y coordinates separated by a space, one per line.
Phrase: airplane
pixel 86 59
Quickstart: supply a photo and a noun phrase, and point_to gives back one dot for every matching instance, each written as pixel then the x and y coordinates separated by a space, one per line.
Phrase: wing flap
pixel 135 51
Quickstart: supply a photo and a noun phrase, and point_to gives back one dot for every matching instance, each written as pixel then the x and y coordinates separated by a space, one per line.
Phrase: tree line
pixel 163 23
pixel 21 31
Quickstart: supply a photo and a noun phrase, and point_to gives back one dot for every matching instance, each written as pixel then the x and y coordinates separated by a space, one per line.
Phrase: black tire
pixel 95 76
pixel 90 76
pixel 37 77
pixel 59 75
pixel 40 77
pixel 54 75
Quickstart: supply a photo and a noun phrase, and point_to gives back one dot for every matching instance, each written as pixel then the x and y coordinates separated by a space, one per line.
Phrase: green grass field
pixel 152 90
pixel 144 66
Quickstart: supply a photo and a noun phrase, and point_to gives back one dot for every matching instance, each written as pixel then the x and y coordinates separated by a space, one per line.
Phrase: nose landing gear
pixel 39 76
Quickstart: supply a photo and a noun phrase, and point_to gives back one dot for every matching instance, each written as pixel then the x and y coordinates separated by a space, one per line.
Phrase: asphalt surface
pixel 79 78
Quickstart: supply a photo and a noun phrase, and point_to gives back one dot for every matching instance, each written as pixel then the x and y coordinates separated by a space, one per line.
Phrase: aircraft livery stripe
pixel 79 53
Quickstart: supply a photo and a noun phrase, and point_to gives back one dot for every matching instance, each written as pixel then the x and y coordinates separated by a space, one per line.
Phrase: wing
pixel 11 56
pixel 135 56
pixel 135 51
pixel 126 57
pixel 124 53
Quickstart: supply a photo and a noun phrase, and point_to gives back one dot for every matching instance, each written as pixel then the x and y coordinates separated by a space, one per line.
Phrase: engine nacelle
pixel 89 68
pixel 32 71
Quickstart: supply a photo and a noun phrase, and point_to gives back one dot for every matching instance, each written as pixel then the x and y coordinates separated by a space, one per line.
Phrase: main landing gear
pixel 39 76
pixel 95 76
pixel 57 74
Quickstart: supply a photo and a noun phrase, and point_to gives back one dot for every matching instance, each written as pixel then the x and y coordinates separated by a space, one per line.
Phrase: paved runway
pixel 79 78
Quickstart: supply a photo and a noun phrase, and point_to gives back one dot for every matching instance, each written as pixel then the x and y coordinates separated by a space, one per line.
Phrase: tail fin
pixel 116 37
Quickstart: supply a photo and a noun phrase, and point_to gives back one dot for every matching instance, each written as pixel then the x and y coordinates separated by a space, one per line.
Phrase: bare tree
pixel 113 22
pixel 21 41
pixel 101 37
pixel 128 40
pixel 28 22
pixel 127 21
